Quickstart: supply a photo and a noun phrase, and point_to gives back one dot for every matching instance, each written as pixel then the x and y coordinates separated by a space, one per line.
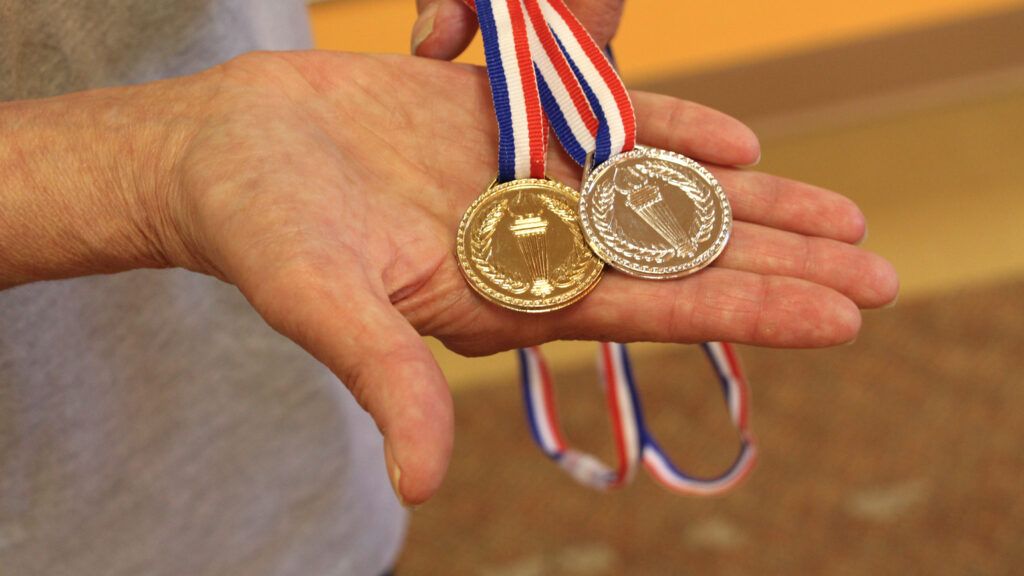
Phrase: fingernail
pixel 424 26
pixel 863 237
pixel 394 474
pixel 754 163
pixel 893 303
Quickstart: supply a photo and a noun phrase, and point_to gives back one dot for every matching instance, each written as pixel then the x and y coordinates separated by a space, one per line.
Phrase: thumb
pixel 600 17
pixel 386 365
pixel 395 378
pixel 443 30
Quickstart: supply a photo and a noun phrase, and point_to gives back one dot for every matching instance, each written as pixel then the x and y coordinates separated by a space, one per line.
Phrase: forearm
pixel 82 177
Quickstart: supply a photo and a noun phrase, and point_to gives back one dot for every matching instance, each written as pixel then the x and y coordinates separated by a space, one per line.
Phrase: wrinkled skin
pixel 329 187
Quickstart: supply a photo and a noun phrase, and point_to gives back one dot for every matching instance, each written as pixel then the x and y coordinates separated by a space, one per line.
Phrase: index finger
pixel 694 130
pixel 697 131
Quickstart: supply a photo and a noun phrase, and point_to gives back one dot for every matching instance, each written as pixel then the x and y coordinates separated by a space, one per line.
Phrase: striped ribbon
pixel 737 397
pixel 606 98
pixel 522 128
pixel 576 83
pixel 634 441
pixel 572 81
pixel 567 105
pixel 542 414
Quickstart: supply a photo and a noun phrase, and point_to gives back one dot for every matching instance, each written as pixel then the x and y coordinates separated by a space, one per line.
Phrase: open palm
pixel 328 188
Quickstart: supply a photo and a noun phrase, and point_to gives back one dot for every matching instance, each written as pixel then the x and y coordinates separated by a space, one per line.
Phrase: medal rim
pixel 624 265
pixel 480 285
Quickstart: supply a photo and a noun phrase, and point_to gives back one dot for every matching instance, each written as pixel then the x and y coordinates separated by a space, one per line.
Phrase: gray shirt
pixel 150 422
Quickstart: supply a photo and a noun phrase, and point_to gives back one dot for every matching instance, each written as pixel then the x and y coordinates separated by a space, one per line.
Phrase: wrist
pixel 166 115
pixel 87 179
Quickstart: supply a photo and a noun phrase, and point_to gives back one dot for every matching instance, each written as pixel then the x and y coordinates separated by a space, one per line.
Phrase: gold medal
pixel 520 246
pixel 654 214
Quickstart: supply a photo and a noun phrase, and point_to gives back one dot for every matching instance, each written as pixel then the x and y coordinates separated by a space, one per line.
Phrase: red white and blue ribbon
pixel 590 111
pixel 522 140
pixel 542 414
pixel 737 398
pixel 522 129
pixel 553 24
pixel 633 439
pixel 566 103
pixel 576 82
pixel 606 96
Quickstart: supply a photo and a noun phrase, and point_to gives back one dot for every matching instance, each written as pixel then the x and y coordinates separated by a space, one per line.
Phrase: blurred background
pixel 899 454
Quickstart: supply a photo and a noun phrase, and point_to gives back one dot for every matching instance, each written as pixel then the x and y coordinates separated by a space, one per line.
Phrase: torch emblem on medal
pixel 520 246
pixel 530 233
pixel 645 199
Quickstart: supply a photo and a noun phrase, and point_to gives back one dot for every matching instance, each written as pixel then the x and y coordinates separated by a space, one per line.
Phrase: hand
pixel 446 27
pixel 328 188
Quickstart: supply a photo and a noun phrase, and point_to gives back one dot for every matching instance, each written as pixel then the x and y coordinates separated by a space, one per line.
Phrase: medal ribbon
pixel 553 24
pixel 589 109
pixel 522 141
pixel 567 105
pixel 538 397
pixel 607 98
pixel 522 130
pixel 577 84
pixel 737 397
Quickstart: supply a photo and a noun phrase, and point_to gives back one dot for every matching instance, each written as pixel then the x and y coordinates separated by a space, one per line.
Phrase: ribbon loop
pixel 540 59
pixel 737 398
pixel 542 415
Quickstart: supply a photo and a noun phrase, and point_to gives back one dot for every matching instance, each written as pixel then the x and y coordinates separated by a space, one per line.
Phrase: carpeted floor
pixel 901 454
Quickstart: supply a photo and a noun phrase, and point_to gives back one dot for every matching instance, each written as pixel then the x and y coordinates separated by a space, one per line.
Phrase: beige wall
pixel 661 37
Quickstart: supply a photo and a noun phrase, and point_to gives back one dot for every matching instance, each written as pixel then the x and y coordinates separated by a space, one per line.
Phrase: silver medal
pixel 654 214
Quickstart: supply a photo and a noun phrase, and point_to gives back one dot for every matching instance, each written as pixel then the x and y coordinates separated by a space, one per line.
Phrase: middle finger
pixel 864 277
pixel 790 205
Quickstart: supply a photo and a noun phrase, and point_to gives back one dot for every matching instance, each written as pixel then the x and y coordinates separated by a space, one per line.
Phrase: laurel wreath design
pixel 566 275
pixel 481 248
pixel 613 235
